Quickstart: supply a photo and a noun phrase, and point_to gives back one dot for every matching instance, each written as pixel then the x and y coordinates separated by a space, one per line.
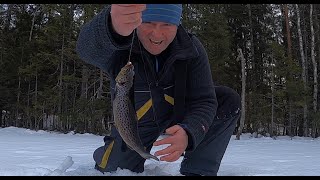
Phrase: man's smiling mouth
pixel 155 42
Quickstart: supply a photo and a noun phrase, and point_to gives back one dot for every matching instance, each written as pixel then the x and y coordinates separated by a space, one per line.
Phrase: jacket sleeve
pixel 97 42
pixel 201 101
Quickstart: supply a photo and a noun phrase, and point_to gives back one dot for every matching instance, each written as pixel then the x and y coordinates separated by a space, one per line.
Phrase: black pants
pixel 204 160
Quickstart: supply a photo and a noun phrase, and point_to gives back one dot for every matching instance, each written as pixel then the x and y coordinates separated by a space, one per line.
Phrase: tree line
pixel 266 52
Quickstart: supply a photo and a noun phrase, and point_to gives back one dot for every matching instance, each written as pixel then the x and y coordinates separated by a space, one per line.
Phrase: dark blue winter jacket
pixel 154 81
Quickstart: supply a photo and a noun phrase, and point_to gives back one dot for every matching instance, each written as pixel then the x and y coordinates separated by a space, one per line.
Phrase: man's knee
pixel 229 102
pixel 115 153
pixel 105 157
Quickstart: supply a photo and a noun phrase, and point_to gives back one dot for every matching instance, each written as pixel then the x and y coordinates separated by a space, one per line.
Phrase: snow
pixel 25 152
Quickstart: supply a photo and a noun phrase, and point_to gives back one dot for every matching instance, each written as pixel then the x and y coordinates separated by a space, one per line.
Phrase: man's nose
pixel 157 32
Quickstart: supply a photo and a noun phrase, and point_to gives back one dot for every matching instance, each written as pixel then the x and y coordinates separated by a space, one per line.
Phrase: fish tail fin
pixel 150 156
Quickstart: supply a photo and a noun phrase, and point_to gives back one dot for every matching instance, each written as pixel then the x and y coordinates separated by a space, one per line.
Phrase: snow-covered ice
pixel 25 152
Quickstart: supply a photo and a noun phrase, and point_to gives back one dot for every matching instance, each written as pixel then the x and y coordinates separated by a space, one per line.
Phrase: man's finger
pixel 166 140
pixel 164 151
pixel 131 9
pixel 133 18
pixel 173 129
pixel 171 157
pixel 135 24
pixel 130 5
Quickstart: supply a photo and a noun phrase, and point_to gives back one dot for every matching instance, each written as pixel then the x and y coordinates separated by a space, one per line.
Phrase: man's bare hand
pixel 126 17
pixel 178 140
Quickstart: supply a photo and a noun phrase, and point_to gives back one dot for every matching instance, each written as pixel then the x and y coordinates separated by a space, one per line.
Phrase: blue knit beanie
pixel 168 13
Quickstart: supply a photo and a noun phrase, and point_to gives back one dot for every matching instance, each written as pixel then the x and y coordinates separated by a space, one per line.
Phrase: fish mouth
pixel 121 83
pixel 129 64
pixel 130 67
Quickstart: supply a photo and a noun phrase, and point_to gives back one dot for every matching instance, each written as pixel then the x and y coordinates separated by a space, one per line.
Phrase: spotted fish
pixel 125 118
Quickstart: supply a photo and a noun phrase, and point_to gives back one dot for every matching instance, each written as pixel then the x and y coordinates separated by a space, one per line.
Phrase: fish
pixel 125 117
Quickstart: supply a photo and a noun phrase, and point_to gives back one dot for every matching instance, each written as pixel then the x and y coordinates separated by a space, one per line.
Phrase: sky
pixel 25 152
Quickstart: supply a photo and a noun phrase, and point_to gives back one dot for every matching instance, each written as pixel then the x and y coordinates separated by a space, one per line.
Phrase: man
pixel 153 38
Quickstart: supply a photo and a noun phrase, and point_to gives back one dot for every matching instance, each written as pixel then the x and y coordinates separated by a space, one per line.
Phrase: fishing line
pixel 134 31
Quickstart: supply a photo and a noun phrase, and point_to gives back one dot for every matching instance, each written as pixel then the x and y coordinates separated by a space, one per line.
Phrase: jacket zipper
pixel 163 71
pixel 166 66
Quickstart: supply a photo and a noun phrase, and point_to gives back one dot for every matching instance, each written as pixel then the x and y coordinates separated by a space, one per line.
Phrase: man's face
pixel 156 36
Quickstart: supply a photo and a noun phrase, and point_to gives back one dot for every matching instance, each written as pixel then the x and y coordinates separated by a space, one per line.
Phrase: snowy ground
pixel 25 152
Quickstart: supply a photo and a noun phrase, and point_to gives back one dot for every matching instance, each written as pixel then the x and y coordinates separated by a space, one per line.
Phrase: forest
pixel 266 52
